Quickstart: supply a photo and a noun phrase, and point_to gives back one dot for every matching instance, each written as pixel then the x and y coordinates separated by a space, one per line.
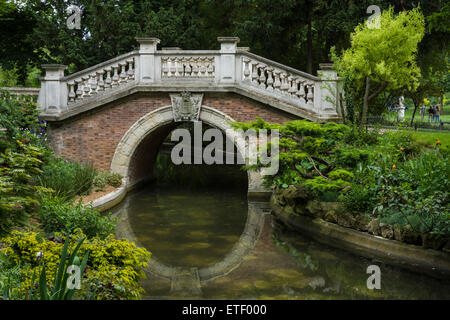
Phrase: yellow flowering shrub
pixel 114 267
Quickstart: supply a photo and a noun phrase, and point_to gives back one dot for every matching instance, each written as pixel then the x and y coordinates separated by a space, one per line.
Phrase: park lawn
pixel 430 138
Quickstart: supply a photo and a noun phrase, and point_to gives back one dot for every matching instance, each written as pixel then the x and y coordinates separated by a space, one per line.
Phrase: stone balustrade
pixel 187 66
pixel 88 83
pixel 172 70
pixel 286 84
pixel 22 94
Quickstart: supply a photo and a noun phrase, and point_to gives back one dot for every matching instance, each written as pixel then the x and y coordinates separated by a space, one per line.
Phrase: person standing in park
pixel 423 110
pixel 430 113
pixel 436 113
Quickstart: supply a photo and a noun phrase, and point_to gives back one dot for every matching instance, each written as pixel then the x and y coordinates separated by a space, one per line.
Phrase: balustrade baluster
pixel 310 95
pixel 194 67
pixel 115 78
pixel 188 69
pixel 203 67
pixel 255 75
pixel 100 82
pixel 72 95
pixel 284 85
pixel 130 71
pixel 180 67
pixel 172 67
pixel 93 81
pixel 211 67
pixel 277 83
pixel 270 79
pixel 262 76
pixel 86 87
pixel 246 72
pixel 79 91
pixel 123 74
pixel 293 86
pixel 108 80
pixel 165 66
pixel 301 91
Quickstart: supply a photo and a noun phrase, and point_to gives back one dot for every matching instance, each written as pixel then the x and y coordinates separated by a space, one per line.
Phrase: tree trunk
pixel 442 104
pixel 309 65
pixel 416 106
pixel 366 102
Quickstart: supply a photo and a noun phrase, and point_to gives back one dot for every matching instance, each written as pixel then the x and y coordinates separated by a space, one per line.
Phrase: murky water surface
pixel 190 231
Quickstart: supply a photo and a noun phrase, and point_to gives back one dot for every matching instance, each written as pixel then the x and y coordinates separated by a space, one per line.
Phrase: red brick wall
pixel 93 136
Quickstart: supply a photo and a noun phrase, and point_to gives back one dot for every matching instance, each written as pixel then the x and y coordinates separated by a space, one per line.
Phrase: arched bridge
pixel 116 114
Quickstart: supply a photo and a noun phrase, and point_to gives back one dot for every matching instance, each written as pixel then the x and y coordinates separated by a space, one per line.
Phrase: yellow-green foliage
pixel 319 185
pixel 114 266
pixel 386 54
pixel 341 174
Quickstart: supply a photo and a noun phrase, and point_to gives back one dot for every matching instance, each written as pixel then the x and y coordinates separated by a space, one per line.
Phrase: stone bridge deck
pixel 230 69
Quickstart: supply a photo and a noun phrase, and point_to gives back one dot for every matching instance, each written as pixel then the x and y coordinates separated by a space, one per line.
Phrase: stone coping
pixel 415 258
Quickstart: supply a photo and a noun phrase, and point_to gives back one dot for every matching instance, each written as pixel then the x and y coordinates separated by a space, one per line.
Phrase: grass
pixel 430 138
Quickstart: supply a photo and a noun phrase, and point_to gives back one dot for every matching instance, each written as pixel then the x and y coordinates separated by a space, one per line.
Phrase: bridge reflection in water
pixel 211 244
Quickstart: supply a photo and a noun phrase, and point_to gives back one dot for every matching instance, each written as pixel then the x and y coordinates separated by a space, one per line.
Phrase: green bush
pixel 113 268
pixel 58 215
pixel 101 181
pixel 115 180
pixel 68 179
pixel 104 178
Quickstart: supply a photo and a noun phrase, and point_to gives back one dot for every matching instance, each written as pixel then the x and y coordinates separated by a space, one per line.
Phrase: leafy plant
pixel 113 267
pixel 68 179
pixel 58 215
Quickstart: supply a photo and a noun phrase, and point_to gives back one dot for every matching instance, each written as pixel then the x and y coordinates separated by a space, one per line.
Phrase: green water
pixel 183 229
pixel 190 231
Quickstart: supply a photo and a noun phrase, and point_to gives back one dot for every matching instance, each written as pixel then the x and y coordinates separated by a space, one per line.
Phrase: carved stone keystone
pixel 186 106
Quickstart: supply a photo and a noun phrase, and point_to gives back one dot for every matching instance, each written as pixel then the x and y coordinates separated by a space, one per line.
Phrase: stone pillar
pixel 147 70
pixel 329 91
pixel 228 48
pixel 53 93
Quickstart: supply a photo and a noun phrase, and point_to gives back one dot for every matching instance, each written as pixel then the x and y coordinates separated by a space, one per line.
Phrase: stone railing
pixel 171 69
pixel 273 79
pixel 101 78
pixel 182 65
pixel 23 94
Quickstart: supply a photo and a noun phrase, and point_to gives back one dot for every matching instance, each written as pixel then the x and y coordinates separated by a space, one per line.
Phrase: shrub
pixel 114 267
pixel 341 174
pixel 68 179
pixel 115 180
pixel 18 197
pixel 105 178
pixel 100 181
pixel 58 215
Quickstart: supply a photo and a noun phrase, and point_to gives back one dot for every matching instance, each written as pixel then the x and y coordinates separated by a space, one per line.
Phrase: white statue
pixel 401 109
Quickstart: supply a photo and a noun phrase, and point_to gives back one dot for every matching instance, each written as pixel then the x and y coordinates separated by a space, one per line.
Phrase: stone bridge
pixel 117 114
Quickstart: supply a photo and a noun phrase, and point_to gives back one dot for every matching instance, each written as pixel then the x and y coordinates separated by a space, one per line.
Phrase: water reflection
pixel 218 254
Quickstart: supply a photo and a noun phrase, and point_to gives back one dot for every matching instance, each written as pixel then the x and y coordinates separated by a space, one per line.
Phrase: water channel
pixel 210 242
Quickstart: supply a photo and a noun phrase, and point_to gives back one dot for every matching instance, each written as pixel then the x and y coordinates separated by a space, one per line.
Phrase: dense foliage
pixel 114 267
pixel 35 183
pixel 383 57
pixel 66 178
pixel 57 215
pixel 387 175
pixel 22 155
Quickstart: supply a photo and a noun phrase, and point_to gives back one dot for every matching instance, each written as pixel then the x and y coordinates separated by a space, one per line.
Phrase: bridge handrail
pixel 100 65
pixel 279 65
pixel 230 68
pixel 24 94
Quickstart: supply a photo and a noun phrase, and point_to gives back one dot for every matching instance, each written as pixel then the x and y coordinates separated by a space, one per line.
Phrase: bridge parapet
pixel 230 69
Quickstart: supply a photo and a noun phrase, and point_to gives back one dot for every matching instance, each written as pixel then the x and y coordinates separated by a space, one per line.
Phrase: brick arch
pixel 161 118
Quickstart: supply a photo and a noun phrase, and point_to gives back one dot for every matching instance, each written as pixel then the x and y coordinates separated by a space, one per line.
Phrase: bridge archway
pixel 162 120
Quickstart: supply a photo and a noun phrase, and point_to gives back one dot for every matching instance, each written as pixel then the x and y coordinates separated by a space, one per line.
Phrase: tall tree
pixel 384 58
